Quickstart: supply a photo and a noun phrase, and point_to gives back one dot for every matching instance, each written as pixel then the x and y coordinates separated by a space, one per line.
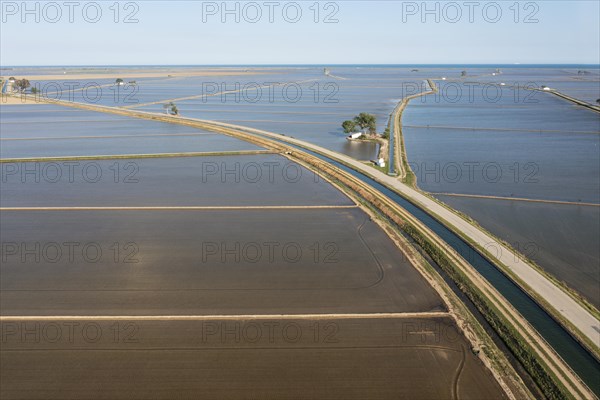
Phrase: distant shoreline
pixel 134 74
pixel 441 65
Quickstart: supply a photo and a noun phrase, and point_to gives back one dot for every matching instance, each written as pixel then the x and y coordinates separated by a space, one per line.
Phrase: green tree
pixel 386 133
pixel 119 80
pixel 34 90
pixel 349 126
pixel 22 84
pixel 366 121
pixel 463 73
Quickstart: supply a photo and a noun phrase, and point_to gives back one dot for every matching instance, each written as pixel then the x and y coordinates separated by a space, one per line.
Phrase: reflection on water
pixel 118 146
pixel 557 166
pixel 539 147
pixel 233 180
pixel 562 238
pixel 542 146
pixel 361 150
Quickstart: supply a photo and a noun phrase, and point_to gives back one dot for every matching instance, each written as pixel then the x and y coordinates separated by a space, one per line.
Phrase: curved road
pixel 564 304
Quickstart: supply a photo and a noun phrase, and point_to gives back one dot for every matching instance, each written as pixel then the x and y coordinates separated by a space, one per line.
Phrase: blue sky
pixel 366 32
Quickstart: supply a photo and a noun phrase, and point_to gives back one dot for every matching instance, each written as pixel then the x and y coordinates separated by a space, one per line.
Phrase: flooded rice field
pixel 546 165
pixel 534 229
pixel 84 133
pixel 274 237
pixel 232 180
pixel 319 254
pixel 504 141
pixel 301 102
pixel 207 262
pixel 316 358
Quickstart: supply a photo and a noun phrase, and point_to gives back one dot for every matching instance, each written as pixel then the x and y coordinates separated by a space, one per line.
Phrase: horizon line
pixel 299 64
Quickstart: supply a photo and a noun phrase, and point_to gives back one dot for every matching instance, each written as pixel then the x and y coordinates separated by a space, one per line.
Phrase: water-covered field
pixel 473 138
pixel 302 102
pixel 52 131
pixel 241 235
pixel 483 133
pixel 159 246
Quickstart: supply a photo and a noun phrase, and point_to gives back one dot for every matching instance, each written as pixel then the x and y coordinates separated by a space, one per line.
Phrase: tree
pixel 34 90
pixel 386 133
pixel 463 73
pixel 119 80
pixel 22 84
pixel 349 126
pixel 366 121
pixel 598 101
pixel 171 108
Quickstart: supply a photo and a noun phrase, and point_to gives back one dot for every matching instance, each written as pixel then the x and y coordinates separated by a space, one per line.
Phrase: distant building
pixel 381 163
pixel 10 86
pixel 355 135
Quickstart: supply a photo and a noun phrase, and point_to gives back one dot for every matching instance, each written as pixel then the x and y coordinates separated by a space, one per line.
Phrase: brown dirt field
pixel 411 358
pixel 357 269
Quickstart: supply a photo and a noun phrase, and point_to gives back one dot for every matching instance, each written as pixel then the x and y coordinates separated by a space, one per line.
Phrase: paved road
pixel 555 296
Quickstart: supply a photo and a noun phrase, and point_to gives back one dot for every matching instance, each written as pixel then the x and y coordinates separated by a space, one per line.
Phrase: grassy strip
pixel 410 178
pixel 496 357
pixel 377 167
pixel 390 134
pixel 136 156
pixel 547 382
